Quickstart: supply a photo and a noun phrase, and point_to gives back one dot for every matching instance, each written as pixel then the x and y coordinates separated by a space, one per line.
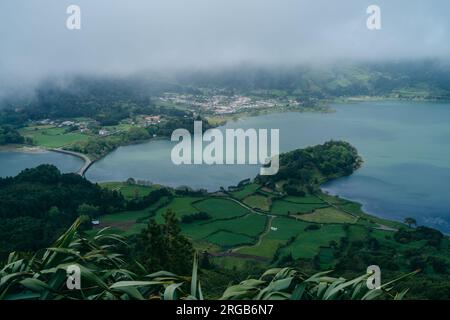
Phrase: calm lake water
pixel 11 162
pixel 405 146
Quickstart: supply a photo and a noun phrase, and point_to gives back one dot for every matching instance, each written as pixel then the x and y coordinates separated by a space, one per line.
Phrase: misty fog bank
pixel 319 81
pixel 127 37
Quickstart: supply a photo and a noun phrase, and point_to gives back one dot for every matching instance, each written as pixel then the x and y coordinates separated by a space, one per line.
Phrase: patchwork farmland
pixel 255 223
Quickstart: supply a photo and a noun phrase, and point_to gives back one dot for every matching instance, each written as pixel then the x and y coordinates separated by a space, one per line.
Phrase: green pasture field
pixel 357 233
pixel 124 223
pixel 266 249
pixel 306 199
pixel 52 137
pixel 356 208
pixel 127 216
pixel 245 191
pixel 258 202
pixel 285 229
pixel 233 226
pixel 334 199
pixel 250 225
pixel 327 215
pixel 308 243
pixel 229 239
pixel 282 207
pixel 180 206
pixel 237 263
pixel 386 238
pixel 130 191
pixel 220 208
pixel 119 127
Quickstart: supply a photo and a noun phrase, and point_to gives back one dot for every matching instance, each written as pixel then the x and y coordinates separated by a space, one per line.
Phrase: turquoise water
pixel 405 146
pixel 11 163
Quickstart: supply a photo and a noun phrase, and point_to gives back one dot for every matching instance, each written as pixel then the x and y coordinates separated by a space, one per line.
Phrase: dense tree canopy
pixel 162 246
pixel 9 135
pixel 303 170
pixel 39 203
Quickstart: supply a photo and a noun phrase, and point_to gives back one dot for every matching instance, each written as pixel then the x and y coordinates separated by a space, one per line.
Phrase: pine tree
pixel 163 247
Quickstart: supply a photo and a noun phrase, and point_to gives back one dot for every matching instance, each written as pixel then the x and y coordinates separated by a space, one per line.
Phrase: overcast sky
pixel 119 36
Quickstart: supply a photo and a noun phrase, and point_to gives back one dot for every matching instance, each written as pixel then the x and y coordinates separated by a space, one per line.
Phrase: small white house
pixel 273 228
pixel 149 120
pixel 95 222
pixel 103 132
pixel 67 123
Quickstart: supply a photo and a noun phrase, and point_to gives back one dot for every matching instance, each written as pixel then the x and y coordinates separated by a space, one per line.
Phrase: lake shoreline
pixel 324 108
pixel 401 181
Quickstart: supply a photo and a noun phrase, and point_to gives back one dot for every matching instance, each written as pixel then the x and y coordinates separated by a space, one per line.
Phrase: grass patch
pixel 197 231
pixel 52 137
pixel 220 208
pixel 285 229
pixel 228 239
pixel 308 243
pixel 233 263
pixel 356 208
pixel 334 199
pixel 245 191
pixel 130 191
pixel 124 223
pixel 135 229
pixel 250 225
pixel 266 248
pixel 180 206
pixel 127 221
pixel 258 202
pixel 357 233
pixel 327 215
pixel 387 238
pixel 127 216
pixel 282 207
pixel 306 199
